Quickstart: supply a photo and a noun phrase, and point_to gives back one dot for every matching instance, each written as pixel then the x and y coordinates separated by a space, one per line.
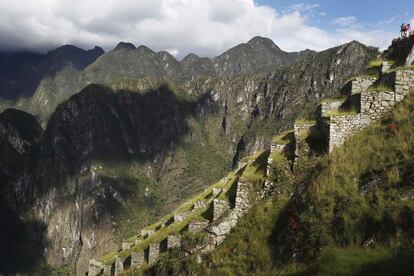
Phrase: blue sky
pixel 204 27
pixel 378 14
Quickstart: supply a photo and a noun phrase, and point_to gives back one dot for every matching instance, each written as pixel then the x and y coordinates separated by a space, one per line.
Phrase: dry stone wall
pixel 197 226
pixel 153 253
pixel 137 259
pixel 220 207
pixel 342 127
pixel 361 84
pixel 173 241
pixel 326 107
pixel 404 83
pixel 373 105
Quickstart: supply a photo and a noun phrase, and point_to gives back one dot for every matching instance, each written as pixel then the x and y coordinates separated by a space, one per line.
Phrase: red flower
pixel 392 129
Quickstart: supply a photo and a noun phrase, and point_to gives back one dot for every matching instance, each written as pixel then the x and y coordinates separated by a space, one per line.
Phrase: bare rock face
pixel 19 133
pixel 410 58
pixel 63 190
pixel 400 50
pixel 20 129
pixel 261 104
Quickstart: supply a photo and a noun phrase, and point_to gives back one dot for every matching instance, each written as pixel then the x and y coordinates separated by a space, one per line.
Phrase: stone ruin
pixel 224 216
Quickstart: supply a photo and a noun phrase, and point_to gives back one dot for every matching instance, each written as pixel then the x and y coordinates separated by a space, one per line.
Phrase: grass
pixel 377 62
pixel 305 121
pixel 255 172
pixel 380 88
pixel 374 75
pixel 365 261
pixel 332 100
pixel 399 68
pixel 283 138
pixel 341 112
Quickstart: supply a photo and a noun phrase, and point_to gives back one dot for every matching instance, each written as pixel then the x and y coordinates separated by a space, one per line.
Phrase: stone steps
pixel 372 106
pixel 223 216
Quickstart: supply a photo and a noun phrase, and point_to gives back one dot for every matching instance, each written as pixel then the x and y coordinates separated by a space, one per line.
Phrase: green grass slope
pixel 352 213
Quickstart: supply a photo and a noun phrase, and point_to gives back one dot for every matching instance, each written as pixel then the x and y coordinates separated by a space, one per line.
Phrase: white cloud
pixel 345 21
pixel 304 7
pixel 173 52
pixel 206 27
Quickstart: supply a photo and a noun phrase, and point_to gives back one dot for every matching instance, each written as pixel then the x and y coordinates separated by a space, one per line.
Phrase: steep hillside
pixel 140 143
pixel 21 73
pixel 350 213
pixel 252 108
pixel 19 134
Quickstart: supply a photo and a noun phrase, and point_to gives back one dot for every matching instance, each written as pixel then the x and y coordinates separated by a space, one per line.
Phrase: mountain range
pixel 106 143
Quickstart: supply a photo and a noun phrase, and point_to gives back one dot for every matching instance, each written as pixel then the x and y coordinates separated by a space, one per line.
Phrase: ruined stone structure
pixel 361 84
pixel 372 105
pixel 220 207
pixel 153 253
pixel 173 241
pixel 327 107
pixel 224 217
pixel 137 259
pixel 197 226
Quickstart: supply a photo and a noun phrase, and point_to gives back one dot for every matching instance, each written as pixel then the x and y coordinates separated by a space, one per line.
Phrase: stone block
pixel 197 226
pixel 243 197
pixel 153 253
pixel 137 259
pixel 173 241
pixel 198 205
pixel 108 269
pixel 216 191
pixel 410 58
pixel 220 207
pixel 119 265
pixel 127 245
pixel 147 232
pixel 180 217
pixel 95 267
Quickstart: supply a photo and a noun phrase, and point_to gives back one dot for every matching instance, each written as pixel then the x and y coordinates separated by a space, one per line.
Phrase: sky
pixel 203 27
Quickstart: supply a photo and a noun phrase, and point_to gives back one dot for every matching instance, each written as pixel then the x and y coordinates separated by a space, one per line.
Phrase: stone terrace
pixel 371 106
pixel 214 213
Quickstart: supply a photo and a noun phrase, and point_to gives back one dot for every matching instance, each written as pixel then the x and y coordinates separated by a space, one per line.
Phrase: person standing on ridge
pixel 403 29
pixel 408 30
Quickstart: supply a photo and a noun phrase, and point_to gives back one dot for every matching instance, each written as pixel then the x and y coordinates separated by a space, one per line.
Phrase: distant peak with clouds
pixel 206 27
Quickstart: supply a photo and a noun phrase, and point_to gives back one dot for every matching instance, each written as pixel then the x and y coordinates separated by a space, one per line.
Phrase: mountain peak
pixel 125 45
pixel 191 56
pixel 259 40
pixel 98 50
